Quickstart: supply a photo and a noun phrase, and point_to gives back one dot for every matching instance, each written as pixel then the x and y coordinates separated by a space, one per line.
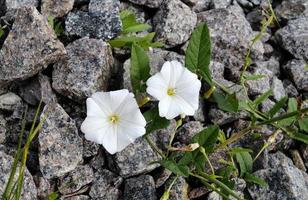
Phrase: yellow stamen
pixel 114 118
pixel 171 91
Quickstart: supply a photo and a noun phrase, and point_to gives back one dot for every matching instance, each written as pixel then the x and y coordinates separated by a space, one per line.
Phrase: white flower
pixel 113 120
pixel 177 90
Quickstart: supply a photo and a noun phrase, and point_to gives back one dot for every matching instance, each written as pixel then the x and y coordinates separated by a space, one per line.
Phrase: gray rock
pixel 56 8
pixel 37 89
pixel 60 147
pixel 179 190
pixel 43 186
pixel 138 11
pixel 233 88
pixel 262 85
pixel 284 182
pixel 141 187
pixel 278 89
pixel 188 131
pixel 291 9
pixel 272 64
pixel 89 148
pixel 202 5
pixel 30 46
pixel 135 159
pixel 220 117
pixel 15 4
pixel 101 21
pixel 29 191
pixel 200 113
pixel 157 58
pixel 78 197
pixel 290 88
pixel 86 69
pixel 221 3
pixel 73 181
pixel 2 129
pixel 174 23
pixel 10 101
pixel 217 69
pixel 102 6
pixel 293 37
pixel 231 35
pixel 296 70
pixel 98 161
pixel 161 177
pixel 148 3
pixel 239 187
pixel 106 185
pixel 245 3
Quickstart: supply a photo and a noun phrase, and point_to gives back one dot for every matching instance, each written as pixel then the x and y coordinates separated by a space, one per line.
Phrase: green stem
pixel 202 150
pixel 178 124
pixel 154 147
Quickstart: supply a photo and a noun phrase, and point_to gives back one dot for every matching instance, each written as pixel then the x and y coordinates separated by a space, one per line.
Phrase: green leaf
pixel 303 124
pixel 292 106
pixel 140 69
pixel 240 150
pixel 300 137
pixel 1 31
pixel 130 24
pixel 254 77
pixel 207 138
pixel 227 103
pixel 137 28
pixel 254 179
pixel 277 107
pixel 306 67
pixel 180 170
pixel 198 53
pixel 262 98
pixel 154 121
pixel 245 161
pixel 53 196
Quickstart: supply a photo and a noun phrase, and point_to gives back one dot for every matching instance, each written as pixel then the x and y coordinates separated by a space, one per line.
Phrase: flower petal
pixel 94 110
pixel 110 140
pixel 168 108
pixel 94 129
pixel 118 99
pixel 157 86
pixel 171 72
pixel 102 99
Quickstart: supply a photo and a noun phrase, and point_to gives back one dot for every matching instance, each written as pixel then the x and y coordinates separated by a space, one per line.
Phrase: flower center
pixel 171 91
pixel 114 118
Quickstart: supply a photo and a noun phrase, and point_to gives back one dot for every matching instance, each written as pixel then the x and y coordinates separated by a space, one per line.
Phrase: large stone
pixel 85 70
pixel 141 187
pixel 278 89
pixel 261 85
pixel 136 159
pixel 30 46
pixel 60 147
pixel 148 3
pixel 179 191
pixel 15 4
pixel 293 37
pixel 29 191
pixel 56 8
pixel 106 185
pixel 76 179
pixel 10 101
pixel 291 9
pixel 290 89
pixel 220 117
pixel 174 23
pixel 102 21
pixel 284 179
pixel 188 131
pixel 297 72
pixel 34 90
pixel 231 35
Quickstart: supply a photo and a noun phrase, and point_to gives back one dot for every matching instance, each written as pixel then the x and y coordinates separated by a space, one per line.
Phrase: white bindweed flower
pixel 113 120
pixel 177 90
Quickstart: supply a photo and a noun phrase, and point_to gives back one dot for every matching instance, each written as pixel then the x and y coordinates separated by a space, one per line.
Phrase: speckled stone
pixel 101 22
pixel 293 37
pixel 29 191
pixel 188 131
pixel 295 69
pixel 56 8
pixel 85 70
pixel 30 46
pixel 2 129
pixel 34 90
pixel 291 9
pixel 262 85
pixel 297 159
pixel 148 3
pixel 135 159
pixel 78 197
pixel 174 23
pixel 76 179
pixel 60 147
pixel 290 88
pixel 231 35
pixel 15 4
pixel 278 89
pixel 179 190
pixel 220 117
pixel 141 187
pixel 106 185
pixel 10 101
